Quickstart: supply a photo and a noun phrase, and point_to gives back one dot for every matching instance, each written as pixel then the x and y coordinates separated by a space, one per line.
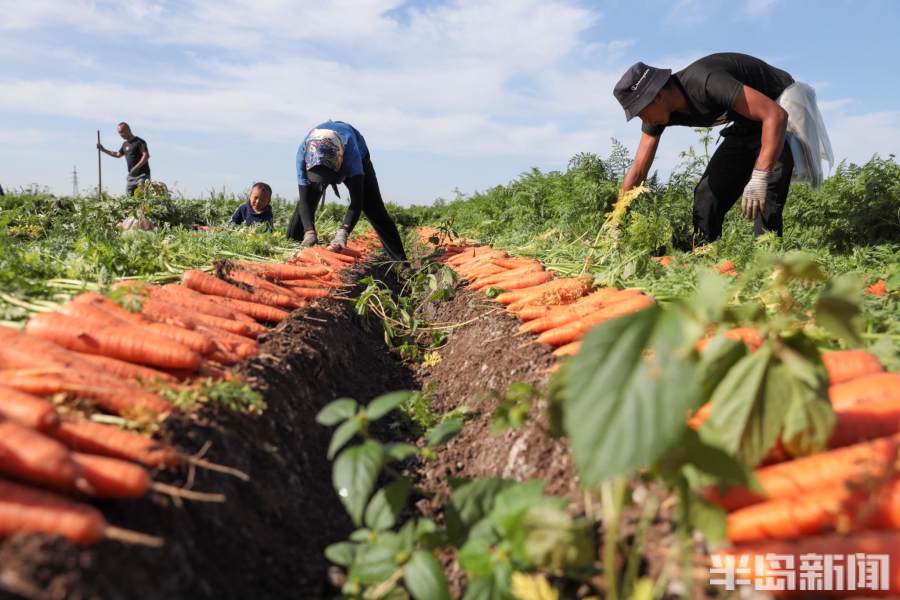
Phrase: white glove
pixel 340 239
pixel 754 199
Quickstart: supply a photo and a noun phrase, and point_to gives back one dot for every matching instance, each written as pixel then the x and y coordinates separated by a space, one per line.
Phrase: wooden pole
pixel 99 171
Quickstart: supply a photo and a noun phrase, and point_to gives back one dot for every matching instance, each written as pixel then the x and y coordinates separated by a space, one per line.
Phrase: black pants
pixel 723 183
pixel 372 205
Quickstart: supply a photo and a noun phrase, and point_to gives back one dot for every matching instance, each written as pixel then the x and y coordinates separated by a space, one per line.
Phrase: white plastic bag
pixel 806 133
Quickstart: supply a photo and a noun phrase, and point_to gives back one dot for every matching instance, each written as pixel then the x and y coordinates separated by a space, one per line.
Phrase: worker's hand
pixel 340 240
pixel 309 239
pixel 133 171
pixel 754 199
pixel 101 148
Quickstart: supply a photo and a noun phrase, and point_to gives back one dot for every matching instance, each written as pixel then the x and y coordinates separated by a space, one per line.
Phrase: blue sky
pixel 458 94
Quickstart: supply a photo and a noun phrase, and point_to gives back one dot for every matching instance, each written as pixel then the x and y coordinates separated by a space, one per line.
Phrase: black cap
pixel 322 175
pixel 639 86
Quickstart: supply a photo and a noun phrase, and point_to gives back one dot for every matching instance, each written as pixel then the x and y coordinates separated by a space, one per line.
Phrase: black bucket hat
pixel 639 86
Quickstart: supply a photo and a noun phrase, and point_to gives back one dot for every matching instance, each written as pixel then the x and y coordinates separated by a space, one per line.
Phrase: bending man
pixel 334 152
pixel 753 162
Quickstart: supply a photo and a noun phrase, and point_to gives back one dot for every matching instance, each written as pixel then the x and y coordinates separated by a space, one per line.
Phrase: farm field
pixel 560 397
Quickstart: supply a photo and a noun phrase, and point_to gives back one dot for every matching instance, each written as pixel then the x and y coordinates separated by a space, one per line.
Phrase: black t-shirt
pixel 132 150
pixel 711 85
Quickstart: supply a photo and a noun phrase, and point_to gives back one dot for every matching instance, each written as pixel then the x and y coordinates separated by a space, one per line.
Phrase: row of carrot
pixel 854 488
pixel 97 352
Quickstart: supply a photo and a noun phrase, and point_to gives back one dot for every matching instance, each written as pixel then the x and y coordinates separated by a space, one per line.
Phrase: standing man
pixel 752 163
pixel 332 153
pixel 137 157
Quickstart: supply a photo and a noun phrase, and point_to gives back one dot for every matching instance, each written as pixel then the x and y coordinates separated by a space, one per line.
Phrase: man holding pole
pixel 137 157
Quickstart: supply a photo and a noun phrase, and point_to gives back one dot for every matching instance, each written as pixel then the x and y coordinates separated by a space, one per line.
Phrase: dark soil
pixel 478 363
pixel 267 539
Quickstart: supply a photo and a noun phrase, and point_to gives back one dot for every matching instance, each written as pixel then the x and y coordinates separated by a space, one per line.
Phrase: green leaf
pixel 443 432
pixel 384 404
pixel 469 504
pixel 374 563
pixel 838 316
pixel 709 459
pixel 553 541
pixel 342 435
pixel 625 406
pixel 341 553
pixel 797 265
pixel 337 411
pixel 748 408
pixel 424 577
pixel 488 588
pixel 719 355
pixel 398 452
pixel 476 559
pixel 387 504
pixel 708 518
pixel 355 472
pixel 809 420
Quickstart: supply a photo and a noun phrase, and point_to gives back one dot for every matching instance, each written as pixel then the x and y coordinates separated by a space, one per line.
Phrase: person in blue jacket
pixel 335 152
pixel 258 208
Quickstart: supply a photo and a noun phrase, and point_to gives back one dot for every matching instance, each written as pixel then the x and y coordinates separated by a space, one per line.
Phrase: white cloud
pixel 757 9
pixel 21 138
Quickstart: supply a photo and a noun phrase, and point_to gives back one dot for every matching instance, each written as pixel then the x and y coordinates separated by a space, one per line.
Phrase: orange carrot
pixel 596 297
pixel 284 271
pixel 700 417
pixel 347 260
pixel 573 331
pixel 879 288
pixel 120 368
pixel 864 422
pixel 852 507
pixel 665 261
pixel 794 478
pixel 126 342
pixel 750 336
pixel 212 286
pixel 178 294
pixel 195 340
pixel 514 275
pixel 515 263
pixel 117 397
pixel 844 365
pixel 106 440
pixel 875 387
pixel 30 456
pixel 26 409
pixel 241 346
pixel 112 478
pixel 260 312
pixel 567 314
pixel 160 310
pixel 557 293
pixel 568 350
pixel 726 267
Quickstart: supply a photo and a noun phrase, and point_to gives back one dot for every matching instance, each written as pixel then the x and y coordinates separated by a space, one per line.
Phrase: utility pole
pixel 74 182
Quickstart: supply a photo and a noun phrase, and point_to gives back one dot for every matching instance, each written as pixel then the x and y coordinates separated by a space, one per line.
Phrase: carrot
pixel 212 286
pixel 284 271
pixel 517 281
pixel 307 293
pixel 160 310
pixel 195 340
pixel 750 336
pixel 106 440
pixel 260 312
pixel 21 351
pixel 102 302
pixel 875 387
pixel 120 368
pixel 864 422
pixel 30 456
pixel 572 312
pixel 755 566
pixel 558 292
pixel 844 365
pixel 599 296
pixel 568 350
pixel 125 342
pixel 509 276
pixel 573 331
pixel 347 260
pixel 845 506
pixel 241 346
pixel 700 417
pixel 474 252
pixel 27 510
pixel 121 398
pixel 879 288
pixel 314 258
pixel 259 284
pixel 209 305
pixel 351 252
pixel 513 263
pixel 665 261
pixel 801 475
pixel 726 267
pixel 26 409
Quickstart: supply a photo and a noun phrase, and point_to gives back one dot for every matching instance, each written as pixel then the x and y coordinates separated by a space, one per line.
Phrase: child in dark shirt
pixel 257 209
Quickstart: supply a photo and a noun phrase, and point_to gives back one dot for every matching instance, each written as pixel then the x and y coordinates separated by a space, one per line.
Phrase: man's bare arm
pixel 643 160
pixel 145 157
pixel 759 107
